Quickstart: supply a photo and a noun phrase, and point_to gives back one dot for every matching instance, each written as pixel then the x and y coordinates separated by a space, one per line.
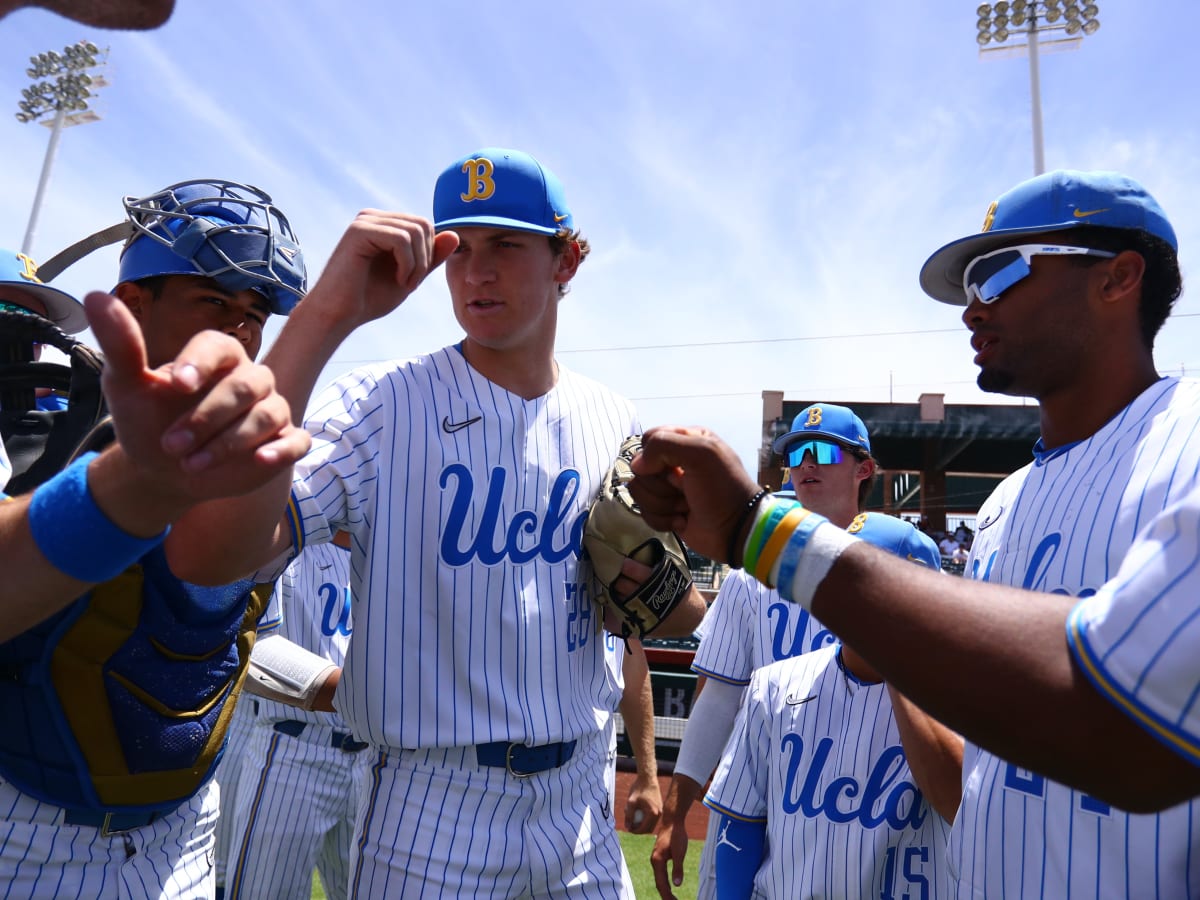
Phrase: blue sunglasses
pixel 823 453
pixel 987 277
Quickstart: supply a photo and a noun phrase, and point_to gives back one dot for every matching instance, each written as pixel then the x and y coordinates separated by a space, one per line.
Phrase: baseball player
pixel 462 476
pixel 299 791
pixel 1064 291
pixel 120 702
pixel 814 796
pixel 830 467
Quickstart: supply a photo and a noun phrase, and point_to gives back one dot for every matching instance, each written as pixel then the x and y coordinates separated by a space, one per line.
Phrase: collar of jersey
pixel 1041 455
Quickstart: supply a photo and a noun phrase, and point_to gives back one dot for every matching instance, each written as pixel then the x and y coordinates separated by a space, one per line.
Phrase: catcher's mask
pixel 226 231
pixel 223 230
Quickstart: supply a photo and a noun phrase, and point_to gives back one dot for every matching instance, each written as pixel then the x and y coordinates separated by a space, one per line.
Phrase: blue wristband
pixel 75 535
pixel 789 559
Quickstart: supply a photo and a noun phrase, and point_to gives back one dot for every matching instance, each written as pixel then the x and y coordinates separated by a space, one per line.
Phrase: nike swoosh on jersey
pixel 991 520
pixel 451 427
pixel 791 700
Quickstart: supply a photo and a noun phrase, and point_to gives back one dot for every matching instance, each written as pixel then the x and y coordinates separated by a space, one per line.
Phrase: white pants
pixel 172 857
pixel 434 823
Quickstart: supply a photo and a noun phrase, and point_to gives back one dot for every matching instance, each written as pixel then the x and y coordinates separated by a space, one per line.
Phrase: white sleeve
pixel 1138 637
pixel 725 653
pixel 739 788
pixel 327 488
pixel 707 730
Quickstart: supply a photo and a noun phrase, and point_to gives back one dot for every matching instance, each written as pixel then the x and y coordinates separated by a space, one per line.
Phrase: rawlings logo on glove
pixel 615 530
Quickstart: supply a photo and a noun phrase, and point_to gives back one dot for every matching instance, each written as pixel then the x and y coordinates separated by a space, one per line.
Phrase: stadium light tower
pixel 66 97
pixel 1015 27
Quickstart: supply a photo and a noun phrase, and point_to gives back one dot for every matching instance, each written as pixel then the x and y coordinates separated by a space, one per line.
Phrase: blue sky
pixel 760 182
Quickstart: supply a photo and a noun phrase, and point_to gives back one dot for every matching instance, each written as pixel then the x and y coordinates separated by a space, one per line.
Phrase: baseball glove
pixel 615 530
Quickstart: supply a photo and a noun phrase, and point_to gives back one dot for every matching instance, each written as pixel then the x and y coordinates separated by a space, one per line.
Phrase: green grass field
pixel 637 849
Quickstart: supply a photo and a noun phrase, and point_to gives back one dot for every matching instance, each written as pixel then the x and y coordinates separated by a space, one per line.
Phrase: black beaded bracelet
pixel 731 551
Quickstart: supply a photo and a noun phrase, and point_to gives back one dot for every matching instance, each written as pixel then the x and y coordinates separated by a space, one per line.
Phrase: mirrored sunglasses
pixel 5 306
pixel 823 452
pixel 988 276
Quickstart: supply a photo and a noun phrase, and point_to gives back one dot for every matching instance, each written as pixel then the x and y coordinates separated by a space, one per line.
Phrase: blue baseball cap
pixel 897 537
pixel 62 309
pixel 503 189
pixel 829 421
pixel 1055 201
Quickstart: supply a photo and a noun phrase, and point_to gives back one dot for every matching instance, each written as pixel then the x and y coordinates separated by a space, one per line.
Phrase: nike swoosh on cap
pixel 558 218
pixel 1084 213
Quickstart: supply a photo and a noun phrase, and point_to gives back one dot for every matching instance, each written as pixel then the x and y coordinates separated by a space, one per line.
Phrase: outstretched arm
pixel 381 259
pixel 128 494
pixel 1016 688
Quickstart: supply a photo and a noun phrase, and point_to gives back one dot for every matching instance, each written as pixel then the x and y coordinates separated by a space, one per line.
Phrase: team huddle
pixel 357 630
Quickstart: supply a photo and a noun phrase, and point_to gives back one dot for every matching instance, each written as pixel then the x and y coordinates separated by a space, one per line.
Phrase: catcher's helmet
pixel 220 229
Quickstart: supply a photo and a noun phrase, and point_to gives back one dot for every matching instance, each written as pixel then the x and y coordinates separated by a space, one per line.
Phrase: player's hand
pixel 381 259
pixel 209 424
pixel 670 848
pixel 643 805
pixel 689 481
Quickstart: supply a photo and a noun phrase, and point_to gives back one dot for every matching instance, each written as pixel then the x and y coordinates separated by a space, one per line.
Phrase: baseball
pixel 637 817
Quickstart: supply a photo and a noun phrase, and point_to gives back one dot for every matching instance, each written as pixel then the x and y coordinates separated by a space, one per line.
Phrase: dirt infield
pixel 697 820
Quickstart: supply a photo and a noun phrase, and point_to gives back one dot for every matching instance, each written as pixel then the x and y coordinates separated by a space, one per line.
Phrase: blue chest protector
pixel 121 701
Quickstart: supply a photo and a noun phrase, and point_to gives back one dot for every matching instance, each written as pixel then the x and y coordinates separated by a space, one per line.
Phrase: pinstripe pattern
pixel 227 775
pixel 749 626
pixel 1137 637
pixel 298 809
pixel 424 837
pixel 816 754
pixel 1066 523
pixel 614 658
pixel 508 648
pixel 299 812
pixel 465 506
pixel 171 857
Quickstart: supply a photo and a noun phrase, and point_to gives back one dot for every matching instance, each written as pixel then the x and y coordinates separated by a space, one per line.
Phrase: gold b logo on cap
pixel 481 185
pixel 814 417
pixel 989 218
pixel 29 270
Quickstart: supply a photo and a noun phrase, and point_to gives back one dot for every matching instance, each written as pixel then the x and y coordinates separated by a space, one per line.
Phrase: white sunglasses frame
pixel 1028 252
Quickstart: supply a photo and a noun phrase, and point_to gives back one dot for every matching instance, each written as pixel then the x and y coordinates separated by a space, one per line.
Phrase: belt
pixel 113 823
pixel 340 740
pixel 523 761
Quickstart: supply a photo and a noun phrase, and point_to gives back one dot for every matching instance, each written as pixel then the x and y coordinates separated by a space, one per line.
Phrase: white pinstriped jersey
pixel 465 504
pixel 817 755
pixel 312 598
pixel 1065 524
pixel 749 626
pixel 1138 637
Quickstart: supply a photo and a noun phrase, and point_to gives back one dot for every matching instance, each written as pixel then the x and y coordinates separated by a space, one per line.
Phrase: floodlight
pixel 984 9
pixel 983 37
pixel 1074 27
pixel 1001 35
pixel 1090 11
pixel 1001 22
pixel 1091 26
pixel 1053 15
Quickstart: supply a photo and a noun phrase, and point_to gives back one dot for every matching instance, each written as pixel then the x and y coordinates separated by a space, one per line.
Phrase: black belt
pixel 340 740
pixel 113 823
pixel 521 760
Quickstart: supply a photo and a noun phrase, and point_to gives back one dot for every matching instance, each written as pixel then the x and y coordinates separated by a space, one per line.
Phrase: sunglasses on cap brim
pixel 988 276
pixel 823 453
